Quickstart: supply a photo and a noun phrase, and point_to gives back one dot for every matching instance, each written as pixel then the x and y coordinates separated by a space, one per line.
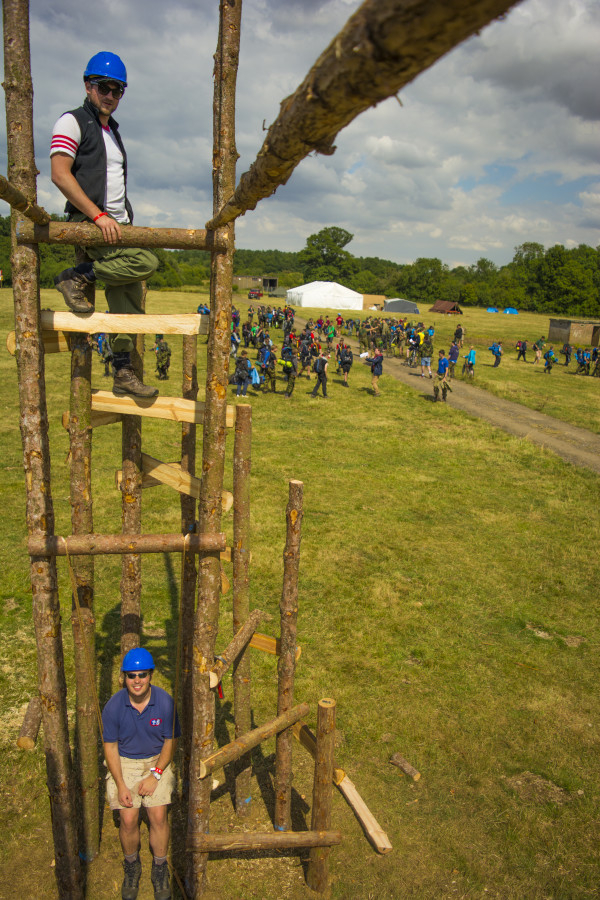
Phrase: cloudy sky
pixel 495 145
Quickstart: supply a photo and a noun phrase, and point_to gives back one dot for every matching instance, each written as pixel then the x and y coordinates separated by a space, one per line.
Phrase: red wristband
pixel 99 216
pixel 157 770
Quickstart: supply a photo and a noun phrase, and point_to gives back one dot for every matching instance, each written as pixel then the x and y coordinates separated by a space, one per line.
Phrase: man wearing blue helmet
pixel 139 743
pixel 89 166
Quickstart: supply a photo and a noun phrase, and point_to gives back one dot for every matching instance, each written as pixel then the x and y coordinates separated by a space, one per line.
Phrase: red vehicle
pixel 254 294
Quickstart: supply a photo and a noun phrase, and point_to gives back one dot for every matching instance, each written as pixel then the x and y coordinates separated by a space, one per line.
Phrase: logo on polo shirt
pixel 156 722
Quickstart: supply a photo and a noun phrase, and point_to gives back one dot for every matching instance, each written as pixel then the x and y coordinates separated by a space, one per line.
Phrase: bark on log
pixel 36 457
pixel 31 724
pixel 175 409
pixel 97 544
pixel 286 665
pixel 382 48
pixel 317 875
pixel 214 430
pixel 83 622
pixel 188 500
pixel 270 840
pixel 88 235
pixel 242 449
pixel 17 199
pixel 245 742
pixel 233 650
pixel 114 323
pixel 406 767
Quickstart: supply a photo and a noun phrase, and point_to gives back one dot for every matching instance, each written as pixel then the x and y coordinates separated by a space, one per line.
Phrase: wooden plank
pixel 175 409
pixel 154 475
pixel 112 323
pixel 54 342
pixel 96 419
pixel 269 644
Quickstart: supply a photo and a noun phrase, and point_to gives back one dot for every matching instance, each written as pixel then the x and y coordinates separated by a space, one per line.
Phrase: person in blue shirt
pixel 439 381
pixel 139 742
pixel 376 363
pixel 469 363
pixel 453 355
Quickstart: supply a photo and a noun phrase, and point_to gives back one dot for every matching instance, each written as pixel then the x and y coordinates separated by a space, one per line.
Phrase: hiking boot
pixel 131 881
pixel 79 292
pixel 126 383
pixel 160 881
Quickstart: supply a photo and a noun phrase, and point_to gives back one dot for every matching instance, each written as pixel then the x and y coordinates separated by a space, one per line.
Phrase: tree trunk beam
pixel 269 644
pixel 54 342
pixel 397 760
pixel 317 874
pixel 17 199
pixel 233 650
pixel 269 840
pixel 31 724
pixel 232 751
pixel 96 419
pixel 156 472
pixel 114 323
pixel 88 235
pixel 382 48
pixel 308 739
pixel 175 409
pixel 97 544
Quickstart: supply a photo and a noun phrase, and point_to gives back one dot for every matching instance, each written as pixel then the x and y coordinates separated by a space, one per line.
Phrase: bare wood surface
pixel 269 840
pixel 317 874
pixel 97 544
pixel 39 507
pixel 174 475
pixel 31 724
pixel 89 235
pixel 114 323
pixel 286 664
pixel 269 644
pixel 53 341
pixel 174 409
pixel 17 199
pixel 382 48
pixel 406 767
pixel 373 830
pixel 233 650
pixel 242 461
pixel 245 742
pixel 214 432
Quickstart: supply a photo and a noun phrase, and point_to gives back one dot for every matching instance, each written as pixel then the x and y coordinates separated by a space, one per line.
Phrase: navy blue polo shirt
pixel 139 734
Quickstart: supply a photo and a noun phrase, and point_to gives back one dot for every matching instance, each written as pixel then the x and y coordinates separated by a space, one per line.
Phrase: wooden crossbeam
pixel 155 472
pixel 17 199
pixel 269 840
pixel 269 644
pixel 115 323
pixel 54 342
pixel 99 544
pixel 89 235
pixel 174 409
pixel 96 419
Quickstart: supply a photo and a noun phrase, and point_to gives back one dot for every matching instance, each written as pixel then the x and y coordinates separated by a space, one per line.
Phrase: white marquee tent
pixel 325 295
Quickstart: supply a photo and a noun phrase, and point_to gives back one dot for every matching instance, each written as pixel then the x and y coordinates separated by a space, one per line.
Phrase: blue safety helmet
pixel 137 660
pixel 106 65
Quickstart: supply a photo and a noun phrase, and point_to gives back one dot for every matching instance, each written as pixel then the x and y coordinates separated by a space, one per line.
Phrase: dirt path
pixel 576 445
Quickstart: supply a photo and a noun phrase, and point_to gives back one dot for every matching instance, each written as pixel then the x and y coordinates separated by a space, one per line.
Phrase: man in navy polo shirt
pixel 139 743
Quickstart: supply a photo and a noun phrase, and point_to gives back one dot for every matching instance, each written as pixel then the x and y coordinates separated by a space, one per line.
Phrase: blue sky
pixel 495 145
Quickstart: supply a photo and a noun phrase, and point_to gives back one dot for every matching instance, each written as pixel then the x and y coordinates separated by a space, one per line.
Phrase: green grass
pixel 436 551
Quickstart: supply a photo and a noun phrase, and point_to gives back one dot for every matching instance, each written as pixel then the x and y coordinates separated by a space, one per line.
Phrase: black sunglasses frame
pixel 133 675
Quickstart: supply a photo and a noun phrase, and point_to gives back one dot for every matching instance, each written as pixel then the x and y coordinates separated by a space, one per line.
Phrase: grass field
pixel 448 601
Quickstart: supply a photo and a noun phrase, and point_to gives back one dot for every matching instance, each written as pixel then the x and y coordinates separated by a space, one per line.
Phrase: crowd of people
pixel 587 359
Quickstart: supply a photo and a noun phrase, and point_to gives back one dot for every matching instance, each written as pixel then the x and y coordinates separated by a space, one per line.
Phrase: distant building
pixel 574 331
pixel 264 283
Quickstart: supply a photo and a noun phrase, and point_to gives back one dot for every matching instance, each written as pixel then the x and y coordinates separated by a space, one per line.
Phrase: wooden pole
pixel 286 665
pixel 270 840
pixel 214 432
pixel 188 525
pixel 82 619
pixel 88 235
pixel 234 649
pixel 317 875
pixel 17 199
pixel 382 48
pixel 242 448
pixel 31 724
pixel 406 767
pixel 235 749
pixel 36 457
pixel 96 544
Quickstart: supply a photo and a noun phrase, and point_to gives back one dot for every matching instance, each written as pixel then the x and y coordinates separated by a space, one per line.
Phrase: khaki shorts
pixel 134 770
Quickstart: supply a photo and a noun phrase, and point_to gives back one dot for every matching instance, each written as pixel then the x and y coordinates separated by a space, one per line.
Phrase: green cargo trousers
pixel 122 269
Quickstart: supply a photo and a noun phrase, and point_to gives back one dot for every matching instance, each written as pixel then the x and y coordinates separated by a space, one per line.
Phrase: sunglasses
pixel 134 675
pixel 105 90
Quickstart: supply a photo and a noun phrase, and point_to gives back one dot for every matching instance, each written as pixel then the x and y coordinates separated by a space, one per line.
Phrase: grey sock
pixel 133 857
pixel 160 860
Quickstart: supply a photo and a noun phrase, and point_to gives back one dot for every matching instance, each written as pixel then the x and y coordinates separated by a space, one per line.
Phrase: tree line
pixel 554 280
